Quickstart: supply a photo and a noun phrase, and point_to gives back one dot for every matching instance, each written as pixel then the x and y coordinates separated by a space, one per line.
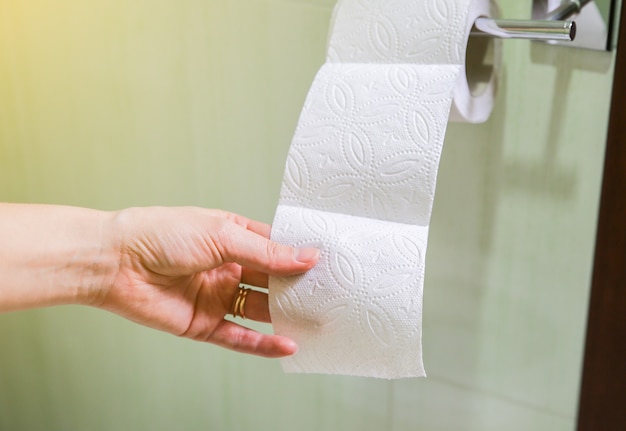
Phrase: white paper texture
pixel 359 184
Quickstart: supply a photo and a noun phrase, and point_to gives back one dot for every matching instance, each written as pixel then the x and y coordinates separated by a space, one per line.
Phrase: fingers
pixel 249 249
pixel 254 278
pixel 245 340
pixel 258 227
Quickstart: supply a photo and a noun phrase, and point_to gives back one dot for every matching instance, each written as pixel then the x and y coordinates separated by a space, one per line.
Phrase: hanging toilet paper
pixel 360 179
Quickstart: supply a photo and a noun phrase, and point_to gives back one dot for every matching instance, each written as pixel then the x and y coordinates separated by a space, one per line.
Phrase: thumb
pixel 249 249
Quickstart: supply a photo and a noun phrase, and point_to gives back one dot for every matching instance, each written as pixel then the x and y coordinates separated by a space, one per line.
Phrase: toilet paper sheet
pixel 359 184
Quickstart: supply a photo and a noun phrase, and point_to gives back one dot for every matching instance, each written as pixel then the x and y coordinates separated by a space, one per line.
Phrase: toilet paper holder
pixel 553 26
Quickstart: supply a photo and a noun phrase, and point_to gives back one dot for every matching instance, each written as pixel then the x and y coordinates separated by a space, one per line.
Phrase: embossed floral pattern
pixel 364 291
pixel 368 141
pixel 399 31
pixel 359 184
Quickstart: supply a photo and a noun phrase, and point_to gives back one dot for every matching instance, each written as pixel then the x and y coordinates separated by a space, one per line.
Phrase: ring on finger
pixel 239 302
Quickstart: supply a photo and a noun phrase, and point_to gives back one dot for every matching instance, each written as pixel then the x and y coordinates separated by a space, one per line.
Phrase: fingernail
pixel 306 255
pixel 292 348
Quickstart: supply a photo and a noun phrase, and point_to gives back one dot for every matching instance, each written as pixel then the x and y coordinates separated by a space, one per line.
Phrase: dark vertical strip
pixel 602 405
pixel 612 24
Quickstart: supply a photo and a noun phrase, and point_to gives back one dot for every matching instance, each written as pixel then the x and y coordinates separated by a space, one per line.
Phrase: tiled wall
pixel 119 103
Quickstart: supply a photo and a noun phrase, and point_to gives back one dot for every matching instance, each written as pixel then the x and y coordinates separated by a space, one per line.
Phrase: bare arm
pixel 173 269
pixel 53 255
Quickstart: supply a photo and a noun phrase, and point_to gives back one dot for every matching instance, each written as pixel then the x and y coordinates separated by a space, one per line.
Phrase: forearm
pixel 51 255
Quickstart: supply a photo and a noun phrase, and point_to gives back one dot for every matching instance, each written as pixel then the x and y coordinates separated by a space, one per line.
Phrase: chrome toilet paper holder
pixel 552 26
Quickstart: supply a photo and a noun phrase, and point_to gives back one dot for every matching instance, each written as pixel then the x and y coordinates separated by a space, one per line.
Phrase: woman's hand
pixel 180 270
pixel 173 269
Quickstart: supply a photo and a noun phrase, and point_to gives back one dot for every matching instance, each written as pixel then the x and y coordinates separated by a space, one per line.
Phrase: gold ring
pixel 239 302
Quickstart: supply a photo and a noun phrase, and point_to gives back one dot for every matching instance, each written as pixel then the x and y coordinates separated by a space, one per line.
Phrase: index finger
pixel 250 249
pixel 255 226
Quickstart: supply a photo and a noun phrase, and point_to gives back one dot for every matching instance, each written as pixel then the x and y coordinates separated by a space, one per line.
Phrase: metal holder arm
pixel 567 10
pixel 524 29
pixel 552 27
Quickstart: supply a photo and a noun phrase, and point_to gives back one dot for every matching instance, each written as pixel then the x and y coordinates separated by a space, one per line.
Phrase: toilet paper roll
pixel 418 32
pixel 360 180
pixel 475 90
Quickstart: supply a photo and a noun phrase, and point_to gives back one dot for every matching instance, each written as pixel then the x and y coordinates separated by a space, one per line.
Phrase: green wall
pixel 118 103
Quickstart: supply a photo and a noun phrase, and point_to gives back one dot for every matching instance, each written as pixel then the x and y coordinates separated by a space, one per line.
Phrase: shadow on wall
pixel 544 177
pixel 459 244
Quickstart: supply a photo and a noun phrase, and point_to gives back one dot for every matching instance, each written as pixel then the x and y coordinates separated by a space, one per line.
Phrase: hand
pixel 180 269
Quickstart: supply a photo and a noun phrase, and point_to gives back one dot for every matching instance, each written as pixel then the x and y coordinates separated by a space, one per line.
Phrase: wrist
pixel 100 267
